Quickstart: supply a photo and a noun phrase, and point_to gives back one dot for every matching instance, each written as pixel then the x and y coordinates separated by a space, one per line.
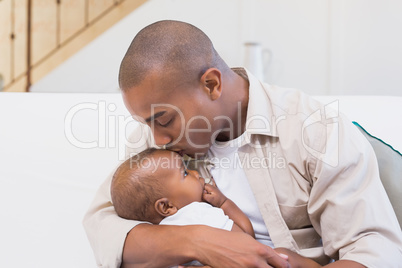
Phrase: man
pixel 301 172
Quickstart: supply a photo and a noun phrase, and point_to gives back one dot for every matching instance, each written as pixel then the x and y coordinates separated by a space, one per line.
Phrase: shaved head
pixel 170 47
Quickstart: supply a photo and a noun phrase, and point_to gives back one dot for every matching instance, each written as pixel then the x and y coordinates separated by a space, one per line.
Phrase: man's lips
pixel 181 152
pixel 188 153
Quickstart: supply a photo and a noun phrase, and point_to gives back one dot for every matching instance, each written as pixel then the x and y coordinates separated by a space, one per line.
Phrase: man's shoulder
pixel 285 100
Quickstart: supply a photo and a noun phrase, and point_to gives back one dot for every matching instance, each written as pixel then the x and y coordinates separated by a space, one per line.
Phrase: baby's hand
pixel 213 196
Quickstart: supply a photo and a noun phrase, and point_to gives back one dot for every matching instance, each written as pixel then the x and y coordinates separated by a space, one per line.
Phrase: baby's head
pixel 154 184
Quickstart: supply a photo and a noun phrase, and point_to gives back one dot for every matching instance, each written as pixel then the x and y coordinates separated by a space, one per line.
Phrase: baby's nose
pixel 194 173
pixel 201 180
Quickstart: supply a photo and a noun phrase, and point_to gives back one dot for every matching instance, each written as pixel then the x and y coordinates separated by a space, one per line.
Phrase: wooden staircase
pixel 38 35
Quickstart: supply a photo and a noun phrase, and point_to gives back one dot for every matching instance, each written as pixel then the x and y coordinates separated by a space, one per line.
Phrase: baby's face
pixel 183 186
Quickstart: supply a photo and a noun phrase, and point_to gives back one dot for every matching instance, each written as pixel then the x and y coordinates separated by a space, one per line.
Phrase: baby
pixel 155 186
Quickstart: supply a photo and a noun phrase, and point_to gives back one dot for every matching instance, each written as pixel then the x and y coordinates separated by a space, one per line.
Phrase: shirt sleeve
pixel 348 205
pixel 105 230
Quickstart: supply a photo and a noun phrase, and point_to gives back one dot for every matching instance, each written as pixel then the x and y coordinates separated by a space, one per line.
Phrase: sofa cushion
pixel 390 167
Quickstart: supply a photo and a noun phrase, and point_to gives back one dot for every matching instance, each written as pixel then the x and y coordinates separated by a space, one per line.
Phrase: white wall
pixel 320 46
pixel 367 47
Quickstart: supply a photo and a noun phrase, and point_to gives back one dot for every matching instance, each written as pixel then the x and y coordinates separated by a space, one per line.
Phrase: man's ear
pixel 212 82
pixel 164 207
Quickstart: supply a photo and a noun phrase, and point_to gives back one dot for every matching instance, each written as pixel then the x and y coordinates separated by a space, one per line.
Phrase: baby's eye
pixel 185 173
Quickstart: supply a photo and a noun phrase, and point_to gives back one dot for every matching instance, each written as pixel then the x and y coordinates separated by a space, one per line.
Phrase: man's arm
pixel 345 263
pixel 348 205
pixel 115 242
pixel 163 245
pixel 298 261
pixel 215 197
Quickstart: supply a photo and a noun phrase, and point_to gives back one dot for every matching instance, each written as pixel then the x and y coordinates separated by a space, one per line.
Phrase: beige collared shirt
pixel 314 176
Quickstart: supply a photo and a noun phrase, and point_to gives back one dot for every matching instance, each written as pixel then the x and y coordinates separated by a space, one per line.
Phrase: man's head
pixel 154 184
pixel 171 78
pixel 173 47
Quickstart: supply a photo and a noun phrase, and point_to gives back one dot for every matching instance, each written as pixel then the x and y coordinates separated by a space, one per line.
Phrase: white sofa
pixel 47 180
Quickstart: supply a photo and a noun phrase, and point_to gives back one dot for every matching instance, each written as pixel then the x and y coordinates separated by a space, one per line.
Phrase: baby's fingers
pixel 210 181
pixel 209 188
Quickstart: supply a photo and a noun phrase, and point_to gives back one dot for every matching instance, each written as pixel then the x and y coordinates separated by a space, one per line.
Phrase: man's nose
pixel 162 139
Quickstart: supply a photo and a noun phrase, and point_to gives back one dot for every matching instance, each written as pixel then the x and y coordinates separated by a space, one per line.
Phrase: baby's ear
pixel 164 207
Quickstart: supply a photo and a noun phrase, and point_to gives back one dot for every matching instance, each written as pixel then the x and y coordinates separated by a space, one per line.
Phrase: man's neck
pixel 238 87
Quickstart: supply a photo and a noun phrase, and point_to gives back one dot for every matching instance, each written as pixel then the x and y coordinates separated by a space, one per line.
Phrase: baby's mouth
pixel 208 181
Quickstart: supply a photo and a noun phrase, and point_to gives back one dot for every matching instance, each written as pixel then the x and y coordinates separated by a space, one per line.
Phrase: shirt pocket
pixel 296 216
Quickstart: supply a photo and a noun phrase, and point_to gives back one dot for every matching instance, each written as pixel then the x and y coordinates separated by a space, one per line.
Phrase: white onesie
pixel 199 213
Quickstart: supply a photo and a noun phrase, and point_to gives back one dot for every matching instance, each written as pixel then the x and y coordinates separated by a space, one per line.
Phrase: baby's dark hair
pixel 134 189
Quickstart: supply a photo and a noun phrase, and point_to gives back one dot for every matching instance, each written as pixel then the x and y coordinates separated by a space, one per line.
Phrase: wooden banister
pixel 44 33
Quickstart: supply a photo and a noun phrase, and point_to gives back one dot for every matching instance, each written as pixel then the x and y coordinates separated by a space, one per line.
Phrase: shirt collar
pixel 260 118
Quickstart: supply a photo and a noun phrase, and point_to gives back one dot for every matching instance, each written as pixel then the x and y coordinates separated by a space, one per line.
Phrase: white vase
pixel 1 82
pixel 257 59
